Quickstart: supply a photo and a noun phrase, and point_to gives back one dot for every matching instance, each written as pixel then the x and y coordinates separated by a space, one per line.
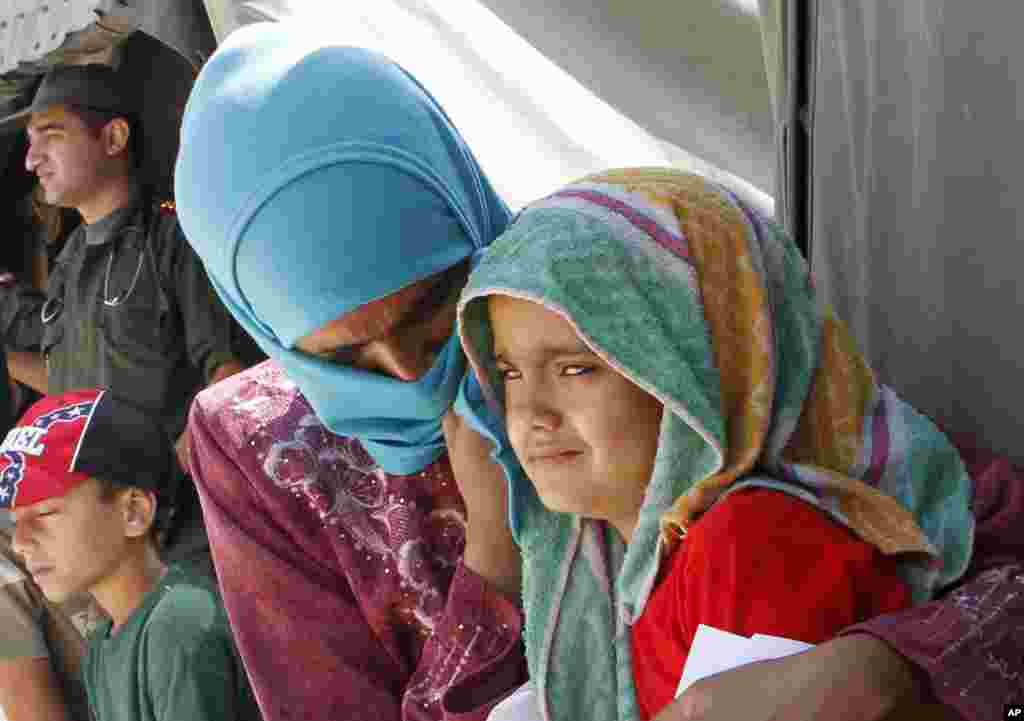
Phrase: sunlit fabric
pixel 532 125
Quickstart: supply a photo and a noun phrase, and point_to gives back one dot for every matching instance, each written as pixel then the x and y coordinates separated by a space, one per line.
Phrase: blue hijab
pixel 312 179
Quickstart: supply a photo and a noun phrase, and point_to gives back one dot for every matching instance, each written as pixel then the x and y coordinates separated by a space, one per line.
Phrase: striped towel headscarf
pixel 702 302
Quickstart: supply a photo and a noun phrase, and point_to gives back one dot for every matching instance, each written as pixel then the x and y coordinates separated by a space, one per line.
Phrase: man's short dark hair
pixel 95 120
pixel 162 519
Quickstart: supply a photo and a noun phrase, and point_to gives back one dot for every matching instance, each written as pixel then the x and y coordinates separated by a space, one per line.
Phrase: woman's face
pixel 399 335
pixel 585 435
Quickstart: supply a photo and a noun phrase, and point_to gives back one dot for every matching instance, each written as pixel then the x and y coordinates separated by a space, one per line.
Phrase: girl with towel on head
pixel 703 444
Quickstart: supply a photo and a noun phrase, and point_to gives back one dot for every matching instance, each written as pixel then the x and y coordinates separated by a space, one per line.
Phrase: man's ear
pixel 116 135
pixel 138 509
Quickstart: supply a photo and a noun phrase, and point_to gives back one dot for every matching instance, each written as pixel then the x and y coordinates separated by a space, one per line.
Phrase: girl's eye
pixel 508 374
pixel 577 370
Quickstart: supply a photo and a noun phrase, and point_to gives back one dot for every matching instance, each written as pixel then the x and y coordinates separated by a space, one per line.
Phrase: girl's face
pixel 585 435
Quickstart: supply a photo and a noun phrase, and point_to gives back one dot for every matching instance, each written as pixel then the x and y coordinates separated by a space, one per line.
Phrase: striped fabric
pixel 707 305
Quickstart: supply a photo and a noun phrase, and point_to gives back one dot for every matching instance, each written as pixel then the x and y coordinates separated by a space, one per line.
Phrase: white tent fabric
pixel 915 198
pixel 691 73
pixel 31 28
pixel 532 124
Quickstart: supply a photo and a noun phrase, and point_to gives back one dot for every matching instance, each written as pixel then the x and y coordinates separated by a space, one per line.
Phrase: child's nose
pixel 545 419
pixel 21 540
pixel 540 412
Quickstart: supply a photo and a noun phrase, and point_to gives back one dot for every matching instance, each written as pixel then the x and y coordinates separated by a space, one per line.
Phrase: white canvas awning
pixel 558 90
pixel 29 29
pixel 37 34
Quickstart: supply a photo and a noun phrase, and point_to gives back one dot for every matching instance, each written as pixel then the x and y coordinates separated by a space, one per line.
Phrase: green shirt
pixel 173 659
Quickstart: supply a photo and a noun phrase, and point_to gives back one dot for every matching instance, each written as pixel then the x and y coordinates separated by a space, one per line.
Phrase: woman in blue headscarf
pixel 338 211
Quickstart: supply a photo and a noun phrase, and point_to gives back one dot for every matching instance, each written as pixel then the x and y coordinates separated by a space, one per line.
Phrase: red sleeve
pixel 969 643
pixel 306 646
pixel 765 562
pixel 760 561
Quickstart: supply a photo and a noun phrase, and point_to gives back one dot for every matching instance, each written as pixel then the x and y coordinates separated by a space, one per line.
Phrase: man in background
pixel 128 305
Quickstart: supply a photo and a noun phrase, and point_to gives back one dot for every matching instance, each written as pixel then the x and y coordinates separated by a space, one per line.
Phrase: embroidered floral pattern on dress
pixel 352 574
pixel 410 530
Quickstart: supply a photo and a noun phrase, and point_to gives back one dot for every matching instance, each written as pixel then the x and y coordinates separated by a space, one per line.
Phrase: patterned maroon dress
pixel 343 583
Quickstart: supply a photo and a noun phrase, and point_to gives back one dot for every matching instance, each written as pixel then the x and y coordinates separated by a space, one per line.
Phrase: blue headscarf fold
pixel 312 179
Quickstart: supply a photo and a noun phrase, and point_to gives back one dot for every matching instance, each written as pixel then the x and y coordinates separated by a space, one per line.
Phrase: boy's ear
pixel 138 509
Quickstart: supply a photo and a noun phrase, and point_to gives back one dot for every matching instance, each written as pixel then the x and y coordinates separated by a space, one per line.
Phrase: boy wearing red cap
pixel 90 480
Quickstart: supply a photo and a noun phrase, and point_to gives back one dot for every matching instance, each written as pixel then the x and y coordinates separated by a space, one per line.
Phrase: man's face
pixel 72 543
pixel 399 335
pixel 66 155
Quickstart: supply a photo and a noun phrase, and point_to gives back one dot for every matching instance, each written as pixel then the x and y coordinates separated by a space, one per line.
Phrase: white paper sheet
pixel 714 651
pixel 521 705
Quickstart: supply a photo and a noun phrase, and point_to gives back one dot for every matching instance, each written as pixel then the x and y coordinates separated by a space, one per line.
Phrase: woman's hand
pixel 851 678
pixel 490 550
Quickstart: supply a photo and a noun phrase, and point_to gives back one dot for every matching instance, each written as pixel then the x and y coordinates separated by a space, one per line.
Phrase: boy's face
pixel 585 435
pixel 71 543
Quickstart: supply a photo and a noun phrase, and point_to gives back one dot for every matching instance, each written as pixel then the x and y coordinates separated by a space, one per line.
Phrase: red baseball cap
pixel 62 440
